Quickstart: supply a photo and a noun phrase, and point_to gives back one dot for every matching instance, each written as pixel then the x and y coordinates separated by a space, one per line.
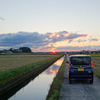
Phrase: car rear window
pixel 80 60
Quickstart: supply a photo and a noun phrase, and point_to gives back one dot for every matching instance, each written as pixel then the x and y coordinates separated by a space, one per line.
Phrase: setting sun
pixel 53 51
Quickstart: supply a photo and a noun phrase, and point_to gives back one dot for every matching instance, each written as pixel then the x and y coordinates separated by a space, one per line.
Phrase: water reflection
pixel 53 69
pixel 37 89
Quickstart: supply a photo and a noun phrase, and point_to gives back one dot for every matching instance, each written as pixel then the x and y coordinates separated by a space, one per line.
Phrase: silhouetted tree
pixel 25 49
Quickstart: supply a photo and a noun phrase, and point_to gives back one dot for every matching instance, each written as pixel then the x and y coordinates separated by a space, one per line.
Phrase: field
pixel 13 61
pixel 96 63
pixel 95 55
pixel 14 66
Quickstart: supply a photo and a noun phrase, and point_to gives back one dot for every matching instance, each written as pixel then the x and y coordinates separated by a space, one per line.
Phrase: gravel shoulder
pixel 79 90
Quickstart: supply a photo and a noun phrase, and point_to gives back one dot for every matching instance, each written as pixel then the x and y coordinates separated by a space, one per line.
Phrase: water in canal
pixel 38 88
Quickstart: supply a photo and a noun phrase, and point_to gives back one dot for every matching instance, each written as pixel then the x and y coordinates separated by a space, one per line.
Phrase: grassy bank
pixel 54 91
pixel 15 72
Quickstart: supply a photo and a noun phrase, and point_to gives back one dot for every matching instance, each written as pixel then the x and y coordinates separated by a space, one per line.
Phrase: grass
pixel 92 55
pixel 54 91
pixel 14 72
pixel 96 63
pixel 95 55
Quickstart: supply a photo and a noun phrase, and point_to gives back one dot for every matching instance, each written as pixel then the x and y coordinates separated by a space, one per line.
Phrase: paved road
pixel 79 90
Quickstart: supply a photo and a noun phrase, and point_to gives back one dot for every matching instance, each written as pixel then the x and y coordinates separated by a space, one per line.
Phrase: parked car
pixel 80 68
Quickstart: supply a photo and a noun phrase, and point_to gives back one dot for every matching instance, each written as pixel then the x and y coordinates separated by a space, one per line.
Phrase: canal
pixel 37 89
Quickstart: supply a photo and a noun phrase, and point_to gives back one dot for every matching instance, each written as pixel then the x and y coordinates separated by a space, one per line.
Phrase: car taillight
pixel 69 64
pixel 91 64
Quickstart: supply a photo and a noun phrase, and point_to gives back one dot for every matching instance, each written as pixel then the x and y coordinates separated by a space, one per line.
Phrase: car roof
pixel 80 56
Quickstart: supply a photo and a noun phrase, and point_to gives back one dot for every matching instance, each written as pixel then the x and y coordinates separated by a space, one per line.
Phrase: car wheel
pixel 70 82
pixel 91 81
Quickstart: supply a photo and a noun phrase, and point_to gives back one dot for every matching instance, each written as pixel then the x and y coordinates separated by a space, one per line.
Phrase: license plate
pixel 80 69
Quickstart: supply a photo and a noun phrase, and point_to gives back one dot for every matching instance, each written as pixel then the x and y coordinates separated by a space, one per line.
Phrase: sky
pixel 48 25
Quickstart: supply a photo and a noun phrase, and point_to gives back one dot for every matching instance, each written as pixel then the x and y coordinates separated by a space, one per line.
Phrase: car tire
pixel 70 82
pixel 91 81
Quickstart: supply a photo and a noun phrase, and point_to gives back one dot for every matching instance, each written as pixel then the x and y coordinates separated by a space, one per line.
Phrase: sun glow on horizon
pixel 53 51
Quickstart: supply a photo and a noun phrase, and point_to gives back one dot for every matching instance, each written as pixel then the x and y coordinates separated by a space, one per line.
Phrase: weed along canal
pixel 37 88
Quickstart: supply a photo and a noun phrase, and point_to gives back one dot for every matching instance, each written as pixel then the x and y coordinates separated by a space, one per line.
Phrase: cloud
pixel 2 18
pixel 93 39
pixel 23 39
pixel 89 39
pixel 81 40
pixel 73 36
pixel 70 41
pixel 79 48
pixel 64 35
pixel 34 39
pixel 43 42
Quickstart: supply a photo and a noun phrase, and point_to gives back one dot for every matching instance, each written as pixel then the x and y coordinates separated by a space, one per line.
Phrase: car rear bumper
pixel 81 75
pixel 81 78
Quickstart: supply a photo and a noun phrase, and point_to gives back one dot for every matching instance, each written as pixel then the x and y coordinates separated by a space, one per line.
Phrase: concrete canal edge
pixel 35 72
pixel 54 91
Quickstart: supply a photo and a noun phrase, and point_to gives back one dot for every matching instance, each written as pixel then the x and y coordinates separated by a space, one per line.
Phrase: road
pixel 79 90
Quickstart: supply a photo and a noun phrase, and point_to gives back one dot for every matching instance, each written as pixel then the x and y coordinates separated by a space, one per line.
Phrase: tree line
pixel 20 50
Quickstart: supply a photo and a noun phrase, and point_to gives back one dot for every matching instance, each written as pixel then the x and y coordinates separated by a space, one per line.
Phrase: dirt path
pixel 79 90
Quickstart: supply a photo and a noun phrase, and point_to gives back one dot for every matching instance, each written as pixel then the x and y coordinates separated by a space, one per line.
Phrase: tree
pixel 25 49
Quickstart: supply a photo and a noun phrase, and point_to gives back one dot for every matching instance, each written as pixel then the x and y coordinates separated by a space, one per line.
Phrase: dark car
pixel 80 68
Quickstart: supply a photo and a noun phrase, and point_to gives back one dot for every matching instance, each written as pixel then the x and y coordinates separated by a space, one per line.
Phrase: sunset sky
pixel 50 25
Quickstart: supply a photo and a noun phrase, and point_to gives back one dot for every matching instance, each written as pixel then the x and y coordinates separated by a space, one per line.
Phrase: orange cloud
pixel 52 35
pixel 85 35
pixel 66 34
